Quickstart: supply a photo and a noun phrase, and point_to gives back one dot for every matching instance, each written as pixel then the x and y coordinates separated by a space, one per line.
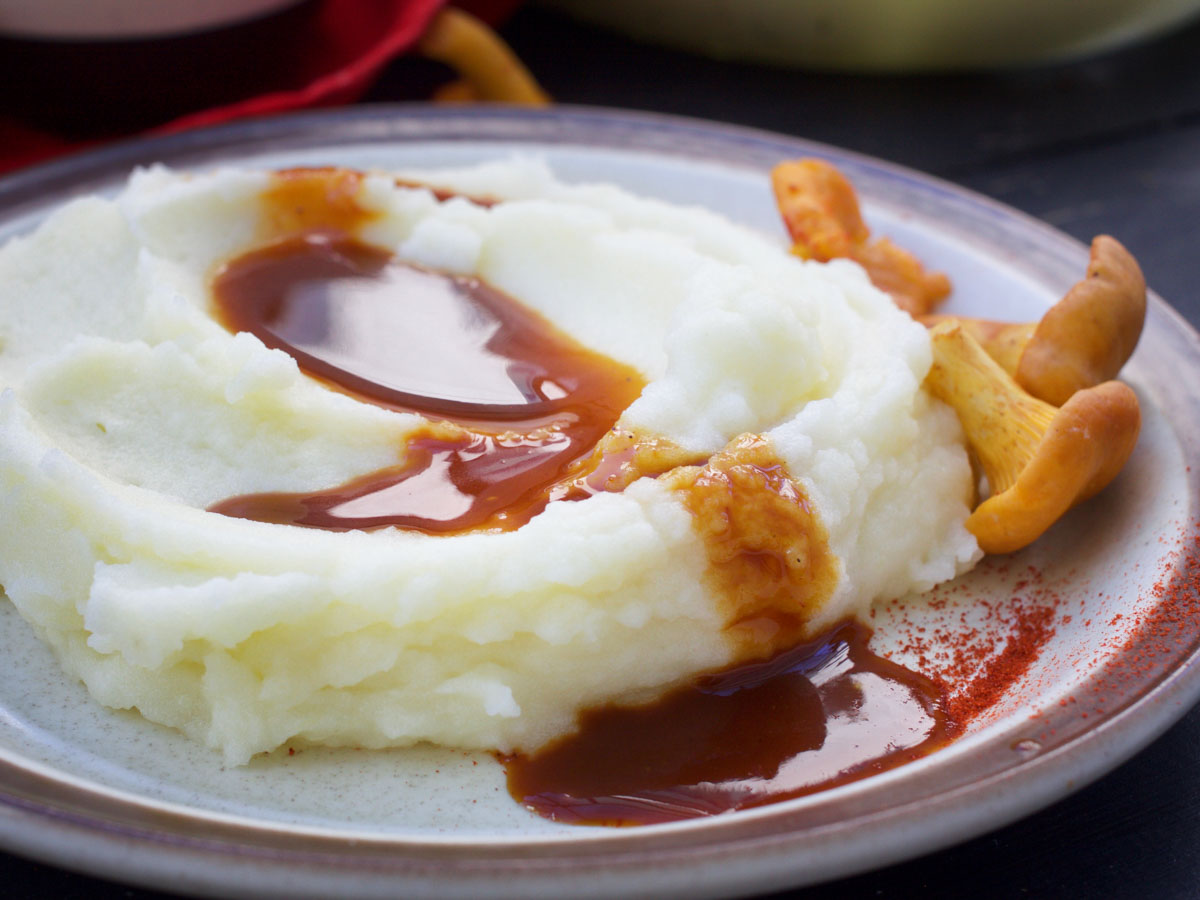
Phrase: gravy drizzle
pixel 820 714
pixel 523 399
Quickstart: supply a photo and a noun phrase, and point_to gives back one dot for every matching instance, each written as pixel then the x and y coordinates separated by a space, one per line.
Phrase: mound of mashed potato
pixel 126 409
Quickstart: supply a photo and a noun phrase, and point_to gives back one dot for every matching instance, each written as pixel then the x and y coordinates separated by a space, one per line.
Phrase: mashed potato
pixel 126 410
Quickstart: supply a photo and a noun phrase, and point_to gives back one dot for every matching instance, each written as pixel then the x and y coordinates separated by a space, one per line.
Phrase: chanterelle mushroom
pixel 1083 339
pixel 489 69
pixel 821 213
pixel 1039 461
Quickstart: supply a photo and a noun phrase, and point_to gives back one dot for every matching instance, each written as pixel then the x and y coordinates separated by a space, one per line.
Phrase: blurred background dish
pixel 76 72
pixel 887 35
pixel 85 19
pixel 115 71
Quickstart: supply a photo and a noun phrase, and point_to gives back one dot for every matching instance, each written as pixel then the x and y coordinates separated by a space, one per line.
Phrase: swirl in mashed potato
pixel 127 410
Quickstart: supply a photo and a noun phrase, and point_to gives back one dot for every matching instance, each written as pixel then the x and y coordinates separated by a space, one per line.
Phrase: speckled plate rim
pixel 50 815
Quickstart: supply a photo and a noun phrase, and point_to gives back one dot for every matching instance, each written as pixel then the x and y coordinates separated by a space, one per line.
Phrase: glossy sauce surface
pixel 817 715
pixel 529 400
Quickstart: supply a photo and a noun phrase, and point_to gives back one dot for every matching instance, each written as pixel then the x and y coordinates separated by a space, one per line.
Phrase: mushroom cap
pixel 1087 443
pixel 819 209
pixel 1086 337
pixel 821 212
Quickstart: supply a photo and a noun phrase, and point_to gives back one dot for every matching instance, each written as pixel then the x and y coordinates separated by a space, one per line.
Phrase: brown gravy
pixel 529 399
pixel 769 559
pixel 818 715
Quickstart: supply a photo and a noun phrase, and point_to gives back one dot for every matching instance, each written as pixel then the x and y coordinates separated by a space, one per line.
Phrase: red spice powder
pixel 1030 629
pixel 977 666
pixel 1171 625
pixel 980 653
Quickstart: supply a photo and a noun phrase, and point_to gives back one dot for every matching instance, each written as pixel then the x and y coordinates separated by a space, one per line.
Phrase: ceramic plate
pixel 1084 625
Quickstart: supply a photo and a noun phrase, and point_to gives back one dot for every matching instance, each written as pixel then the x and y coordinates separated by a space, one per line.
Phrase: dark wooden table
pixel 1111 145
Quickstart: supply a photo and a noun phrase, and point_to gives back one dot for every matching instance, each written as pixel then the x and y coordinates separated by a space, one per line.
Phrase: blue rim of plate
pixel 50 815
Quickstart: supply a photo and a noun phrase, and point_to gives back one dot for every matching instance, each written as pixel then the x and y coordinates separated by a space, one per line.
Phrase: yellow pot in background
pixel 883 35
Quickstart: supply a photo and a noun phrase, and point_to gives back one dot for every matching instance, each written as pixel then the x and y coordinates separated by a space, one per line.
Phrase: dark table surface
pixel 1110 144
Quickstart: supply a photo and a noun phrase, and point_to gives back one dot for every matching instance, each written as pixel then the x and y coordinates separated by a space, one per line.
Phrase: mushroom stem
pixel 1082 340
pixel 1003 424
pixel 1002 341
pixel 1039 461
